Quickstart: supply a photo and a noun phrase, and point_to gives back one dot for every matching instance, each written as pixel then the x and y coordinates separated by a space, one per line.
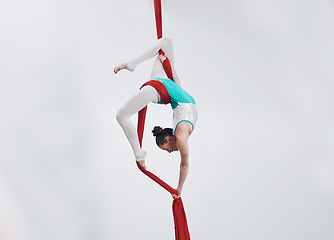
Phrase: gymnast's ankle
pixel 142 162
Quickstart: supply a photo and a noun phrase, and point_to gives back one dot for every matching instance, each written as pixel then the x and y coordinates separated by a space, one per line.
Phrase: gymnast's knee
pixel 120 116
pixel 166 42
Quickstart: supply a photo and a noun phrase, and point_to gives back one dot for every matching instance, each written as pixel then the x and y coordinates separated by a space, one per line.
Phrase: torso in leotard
pixel 177 94
pixel 183 104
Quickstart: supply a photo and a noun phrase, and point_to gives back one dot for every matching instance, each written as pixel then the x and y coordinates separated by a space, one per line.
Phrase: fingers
pixel 175 196
pixel 162 58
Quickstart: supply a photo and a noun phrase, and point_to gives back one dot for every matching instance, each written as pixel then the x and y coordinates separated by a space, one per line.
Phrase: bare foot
pixel 120 67
pixel 142 162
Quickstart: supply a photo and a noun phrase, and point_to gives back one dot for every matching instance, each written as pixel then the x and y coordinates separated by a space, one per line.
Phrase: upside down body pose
pixel 183 105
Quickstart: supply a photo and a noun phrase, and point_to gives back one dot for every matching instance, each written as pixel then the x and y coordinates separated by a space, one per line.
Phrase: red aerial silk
pixel 158 17
pixel 158 21
pixel 180 219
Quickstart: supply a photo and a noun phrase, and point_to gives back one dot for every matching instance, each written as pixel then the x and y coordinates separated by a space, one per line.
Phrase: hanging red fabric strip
pixel 141 124
pixel 156 179
pixel 158 17
pixel 180 220
pixel 158 22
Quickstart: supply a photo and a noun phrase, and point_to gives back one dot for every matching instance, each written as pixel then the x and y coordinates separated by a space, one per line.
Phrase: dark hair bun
pixel 157 130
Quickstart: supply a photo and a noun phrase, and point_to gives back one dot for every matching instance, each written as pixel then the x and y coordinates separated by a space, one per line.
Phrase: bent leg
pixel 158 70
pixel 168 48
pixel 165 44
pixel 146 95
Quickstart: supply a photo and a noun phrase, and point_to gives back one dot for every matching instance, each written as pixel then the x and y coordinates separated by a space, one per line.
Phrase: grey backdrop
pixel 261 164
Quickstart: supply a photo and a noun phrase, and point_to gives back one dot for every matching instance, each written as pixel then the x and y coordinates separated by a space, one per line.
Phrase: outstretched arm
pixel 184 165
pixel 182 134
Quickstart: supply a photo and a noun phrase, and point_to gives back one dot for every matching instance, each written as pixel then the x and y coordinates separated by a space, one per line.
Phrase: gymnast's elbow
pixel 120 116
pixel 184 163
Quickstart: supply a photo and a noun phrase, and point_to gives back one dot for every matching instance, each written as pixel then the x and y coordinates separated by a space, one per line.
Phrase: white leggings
pixel 146 95
pixel 166 45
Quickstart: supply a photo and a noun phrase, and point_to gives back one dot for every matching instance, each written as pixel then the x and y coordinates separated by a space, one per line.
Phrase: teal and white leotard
pixel 183 104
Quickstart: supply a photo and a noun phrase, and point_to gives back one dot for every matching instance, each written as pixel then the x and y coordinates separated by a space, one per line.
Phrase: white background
pixel 261 164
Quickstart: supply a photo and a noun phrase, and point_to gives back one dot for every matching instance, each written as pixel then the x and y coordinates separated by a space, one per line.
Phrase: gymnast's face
pixel 170 145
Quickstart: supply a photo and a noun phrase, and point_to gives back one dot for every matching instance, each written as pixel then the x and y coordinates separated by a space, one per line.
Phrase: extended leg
pixel 165 44
pixel 146 95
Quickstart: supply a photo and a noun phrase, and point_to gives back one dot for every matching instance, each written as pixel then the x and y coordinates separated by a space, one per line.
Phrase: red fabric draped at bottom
pixel 180 219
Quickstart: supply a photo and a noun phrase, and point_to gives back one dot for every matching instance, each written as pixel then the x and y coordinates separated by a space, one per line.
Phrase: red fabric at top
pixel 158 17
pixel 158 21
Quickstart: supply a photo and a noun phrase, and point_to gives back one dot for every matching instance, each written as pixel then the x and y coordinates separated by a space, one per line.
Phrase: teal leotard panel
pixel 176 93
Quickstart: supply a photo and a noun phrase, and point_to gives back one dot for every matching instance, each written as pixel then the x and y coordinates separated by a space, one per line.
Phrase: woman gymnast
pixel 183 105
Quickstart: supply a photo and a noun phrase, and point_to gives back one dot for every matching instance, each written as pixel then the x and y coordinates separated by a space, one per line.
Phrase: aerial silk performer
pixel 164 88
